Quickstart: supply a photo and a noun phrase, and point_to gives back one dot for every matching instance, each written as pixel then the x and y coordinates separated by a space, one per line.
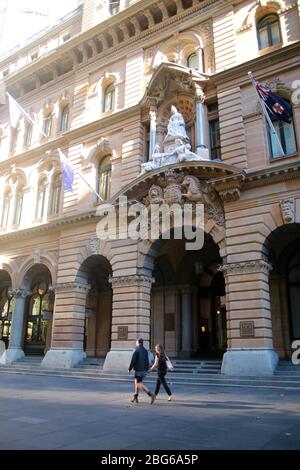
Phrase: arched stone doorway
pixel 39 308
pixel 96 271
pixel 6 307
pixel 282 248
pixel 188 311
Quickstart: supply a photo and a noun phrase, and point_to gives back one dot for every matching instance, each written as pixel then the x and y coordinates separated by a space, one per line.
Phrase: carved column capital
pixel 134 280
pixel 246 267
pixel 19 293
pixel 72 287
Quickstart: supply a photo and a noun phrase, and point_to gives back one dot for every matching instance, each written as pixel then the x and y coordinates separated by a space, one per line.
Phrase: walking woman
pixel 161 365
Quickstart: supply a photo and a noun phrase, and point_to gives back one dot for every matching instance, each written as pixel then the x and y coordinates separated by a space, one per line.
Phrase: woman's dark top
pixel 162 366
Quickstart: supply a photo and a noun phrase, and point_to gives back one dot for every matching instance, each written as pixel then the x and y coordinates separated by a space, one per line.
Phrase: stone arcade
pixel 152 101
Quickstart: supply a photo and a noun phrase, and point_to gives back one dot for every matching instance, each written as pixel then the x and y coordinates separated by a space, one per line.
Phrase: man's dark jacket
pixel 140 361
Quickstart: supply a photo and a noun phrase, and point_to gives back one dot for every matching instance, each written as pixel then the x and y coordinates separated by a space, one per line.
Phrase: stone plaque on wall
pixel 247 329
pixel 122 333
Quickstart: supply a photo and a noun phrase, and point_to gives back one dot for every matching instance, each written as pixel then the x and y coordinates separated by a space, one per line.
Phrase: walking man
pixel 140 364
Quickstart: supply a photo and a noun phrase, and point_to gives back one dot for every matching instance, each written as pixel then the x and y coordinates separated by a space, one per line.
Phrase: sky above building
pixel 22 19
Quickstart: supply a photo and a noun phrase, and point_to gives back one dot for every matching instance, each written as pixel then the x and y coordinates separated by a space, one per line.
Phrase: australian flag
pixel 67 171
pixel 278 107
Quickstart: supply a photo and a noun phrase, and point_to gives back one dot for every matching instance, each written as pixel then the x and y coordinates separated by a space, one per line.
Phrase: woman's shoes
pixel 170 398
pixel 134 398
pixel 153 398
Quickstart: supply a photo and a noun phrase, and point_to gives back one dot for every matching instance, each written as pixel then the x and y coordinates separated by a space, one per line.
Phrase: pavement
pixel 56 413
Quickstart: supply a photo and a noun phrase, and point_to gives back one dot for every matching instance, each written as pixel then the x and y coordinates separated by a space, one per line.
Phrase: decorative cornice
pixel 54 225
pixel 273 174
pixel 246 267
pixel 246 27
pixel 134 280
pixel 83 38
pixel 72 287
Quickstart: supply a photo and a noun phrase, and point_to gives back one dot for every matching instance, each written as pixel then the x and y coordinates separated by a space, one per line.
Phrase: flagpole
pixel 266 114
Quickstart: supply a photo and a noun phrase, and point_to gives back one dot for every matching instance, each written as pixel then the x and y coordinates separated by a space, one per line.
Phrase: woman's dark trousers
pixel 161 379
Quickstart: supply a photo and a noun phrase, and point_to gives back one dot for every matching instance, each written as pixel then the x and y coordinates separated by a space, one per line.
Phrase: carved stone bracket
pixel 246 267
pixel 229 189
pixel 134 280
pixel 95 246
pixel 288 210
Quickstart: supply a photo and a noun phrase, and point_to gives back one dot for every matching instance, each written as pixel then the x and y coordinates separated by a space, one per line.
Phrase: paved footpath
pixel 62 413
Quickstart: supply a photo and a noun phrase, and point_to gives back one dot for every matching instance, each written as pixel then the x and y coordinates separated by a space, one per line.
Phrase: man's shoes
pixel 134 398
pixel 153 398
pixel 170 398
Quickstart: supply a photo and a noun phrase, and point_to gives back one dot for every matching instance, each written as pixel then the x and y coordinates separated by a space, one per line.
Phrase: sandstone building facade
pixel 100 86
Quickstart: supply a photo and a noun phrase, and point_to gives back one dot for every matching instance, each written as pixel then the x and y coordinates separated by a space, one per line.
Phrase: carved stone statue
pixel 176 146
pixel 176 126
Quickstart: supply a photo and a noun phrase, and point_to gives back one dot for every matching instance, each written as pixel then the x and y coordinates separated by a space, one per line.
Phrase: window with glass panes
pixel 104 178
pixel 18 207
pixel 64 118
pixel 109 98
pixel 47 125
pixel 215 141
pixel 268 31
pixel 286 135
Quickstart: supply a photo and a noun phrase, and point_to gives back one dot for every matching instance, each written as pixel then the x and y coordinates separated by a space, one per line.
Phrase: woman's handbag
pixel 169 364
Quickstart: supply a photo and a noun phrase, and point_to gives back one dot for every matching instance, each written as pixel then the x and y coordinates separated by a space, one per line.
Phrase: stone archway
pixel 282 249
pixel 39 306
pixel 96 271
pixel 187 299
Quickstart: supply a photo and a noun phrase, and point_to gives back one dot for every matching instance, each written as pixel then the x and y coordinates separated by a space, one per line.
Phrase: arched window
pixel 104 178
pixel 286 134
pixel 64 118
pixel 6 311
pixel 193 61
pixel 5 211
pixel 55 195
pixel 40 200
pixel 47 125
pixel 18 207
pixel 268 31
pixel 109 98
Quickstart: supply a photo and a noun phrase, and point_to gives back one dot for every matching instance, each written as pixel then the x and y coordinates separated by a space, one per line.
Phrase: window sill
pixel 279 159
pixel 273 48
pixel 52 216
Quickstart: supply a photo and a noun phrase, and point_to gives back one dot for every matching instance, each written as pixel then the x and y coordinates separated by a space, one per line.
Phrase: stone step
pixel 277 382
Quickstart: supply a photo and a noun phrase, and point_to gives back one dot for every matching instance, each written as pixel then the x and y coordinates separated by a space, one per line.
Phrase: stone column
pixel 249 325
pixel 15 348
pixel 130 319
pixel 186 322
pixel 202 131
pixel 152 132
pixel 68 326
